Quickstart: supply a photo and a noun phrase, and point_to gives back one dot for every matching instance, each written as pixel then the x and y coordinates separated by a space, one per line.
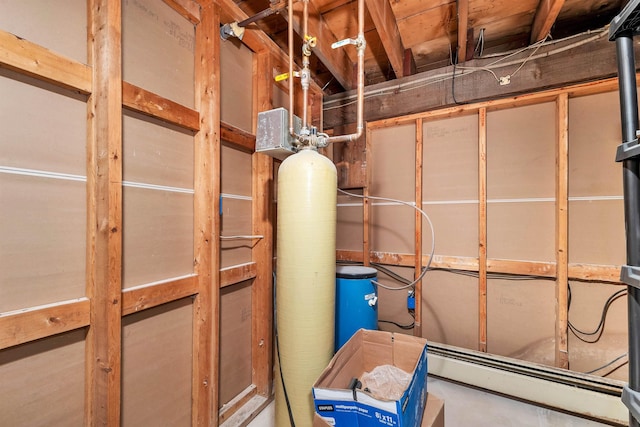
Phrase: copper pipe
pixel 360 84
pixel 291 99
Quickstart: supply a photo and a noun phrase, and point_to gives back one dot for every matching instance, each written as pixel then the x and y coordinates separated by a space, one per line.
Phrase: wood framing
pixel 262 252
pixel 31 59
pixel 104 216
pixel 237 137
pixel 144 297
pixel 482 229
pixel 548 11
pixel 189 9
pixel 206 305
pixel 21 326
pixel 394 99
pixel 463 25
pixel 417 330
pixel 236 274
pixel 150 104
pixel 387 28
pixel 562 231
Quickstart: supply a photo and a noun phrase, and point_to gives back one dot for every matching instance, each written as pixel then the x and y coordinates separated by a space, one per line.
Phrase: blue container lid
pixel 355 272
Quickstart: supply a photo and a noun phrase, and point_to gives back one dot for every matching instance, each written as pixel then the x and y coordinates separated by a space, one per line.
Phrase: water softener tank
pixel 305 282
pixel 356 301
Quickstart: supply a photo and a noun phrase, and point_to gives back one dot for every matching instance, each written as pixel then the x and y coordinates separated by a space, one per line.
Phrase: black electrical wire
pixel 275 327
pixel 391 273
pixel 603 316
pixel 405 327
pixel 609 364
pixel 453 81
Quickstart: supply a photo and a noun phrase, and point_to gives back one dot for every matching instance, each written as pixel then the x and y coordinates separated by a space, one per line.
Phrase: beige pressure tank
pixel 305 282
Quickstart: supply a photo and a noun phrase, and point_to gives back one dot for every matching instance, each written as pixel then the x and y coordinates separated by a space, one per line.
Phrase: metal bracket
pixel 631 400
pixel 630 275
pixel 627 150
pixel 628 20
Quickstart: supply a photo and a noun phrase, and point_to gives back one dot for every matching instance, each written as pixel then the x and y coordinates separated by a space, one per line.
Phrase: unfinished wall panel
pixel 42 127
pixel 158 235
pixel 392 304
pixel 42 180
pixel 451 159
pixel 156 153
pixel 596 210
pixel 59 26
pixel 521 183
pixel 235 340
pixel 521 319
pixel 349 230
pixel 450 309
pixel 156 366
pixel 236 75
pixel 42 256
pixel 392 176
pixel 43 382
pixel 455 226
pixel 158 50
pixel 588 301
pixel 235 181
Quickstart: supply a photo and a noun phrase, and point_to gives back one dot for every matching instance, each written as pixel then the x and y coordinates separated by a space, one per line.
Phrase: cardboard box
pixel 433 415
pixel 342 407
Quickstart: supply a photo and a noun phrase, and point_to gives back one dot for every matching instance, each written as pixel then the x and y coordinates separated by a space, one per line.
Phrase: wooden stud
pixel 417 330
pixel 144 297
pixel 387 27
pixel 206 305
pixel 230 408
pixel 562 231
pixel 104 215
pixel 150 104
pixel 21 326
pixel 482 229
pixel 366 205
pixel 36 61
pixel 262 252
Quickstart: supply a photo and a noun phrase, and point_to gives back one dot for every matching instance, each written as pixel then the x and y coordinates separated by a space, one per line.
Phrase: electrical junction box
pixel 272 135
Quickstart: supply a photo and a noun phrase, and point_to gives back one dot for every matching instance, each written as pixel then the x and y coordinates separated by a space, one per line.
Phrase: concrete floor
pixel 466 407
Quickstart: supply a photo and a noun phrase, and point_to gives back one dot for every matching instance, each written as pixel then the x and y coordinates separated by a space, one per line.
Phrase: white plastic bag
pixel 386 382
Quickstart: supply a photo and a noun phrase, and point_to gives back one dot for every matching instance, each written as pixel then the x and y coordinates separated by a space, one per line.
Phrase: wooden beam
pixel 588 63
pixel 262 252
pixel 31 59
pixel 482 229
pixel 417 330
pixel 409 64
pixel 463 25
pixel 238 273
pixel 206 305
pixel 238 138
pixel 189 9
pixel 152 105
pixel 562 231
pixel 336 60
pixel 546 14
pixel 231 407
pixel 104 215
pixel 144 297
pixel 21 326
pixel 387 28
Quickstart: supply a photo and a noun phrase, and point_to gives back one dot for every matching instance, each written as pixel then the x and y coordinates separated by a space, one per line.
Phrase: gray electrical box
pixel 272 135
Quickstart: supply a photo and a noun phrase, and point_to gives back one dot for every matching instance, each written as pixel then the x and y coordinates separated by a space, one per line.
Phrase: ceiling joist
pixel 546 15
pixel 387 27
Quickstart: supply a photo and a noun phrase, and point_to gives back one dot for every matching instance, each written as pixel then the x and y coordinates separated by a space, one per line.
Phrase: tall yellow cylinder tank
pixel 305 282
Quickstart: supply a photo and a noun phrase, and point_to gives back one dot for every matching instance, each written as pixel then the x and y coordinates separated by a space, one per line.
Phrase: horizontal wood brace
pixel 237 273
pixel 144 297
pixel 21 326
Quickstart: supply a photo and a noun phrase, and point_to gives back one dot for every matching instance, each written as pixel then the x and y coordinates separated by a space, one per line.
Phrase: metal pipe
pixel 631 183
pixel 360 83
pixel 258 16
pixel 305 62
pixel 291 99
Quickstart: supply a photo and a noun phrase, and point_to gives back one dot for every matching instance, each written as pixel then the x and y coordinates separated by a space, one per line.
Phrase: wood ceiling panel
pixel 407 8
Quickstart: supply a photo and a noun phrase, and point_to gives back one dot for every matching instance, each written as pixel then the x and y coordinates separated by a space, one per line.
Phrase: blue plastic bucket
pixel 356 301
